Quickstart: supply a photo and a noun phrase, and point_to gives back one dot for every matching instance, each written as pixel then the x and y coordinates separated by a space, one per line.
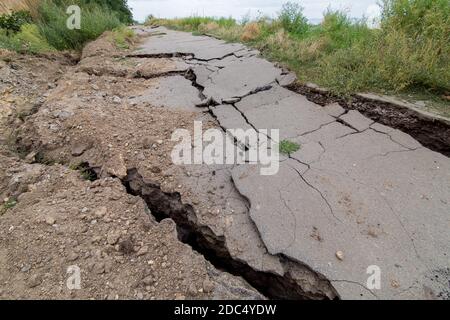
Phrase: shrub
pixel 251 32
pixel 14 21
pixel 292 19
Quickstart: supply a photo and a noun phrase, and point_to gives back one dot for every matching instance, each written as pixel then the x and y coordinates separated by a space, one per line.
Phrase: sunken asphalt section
pixel 368 192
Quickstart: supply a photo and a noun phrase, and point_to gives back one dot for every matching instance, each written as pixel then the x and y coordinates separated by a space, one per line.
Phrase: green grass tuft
pixel 288 147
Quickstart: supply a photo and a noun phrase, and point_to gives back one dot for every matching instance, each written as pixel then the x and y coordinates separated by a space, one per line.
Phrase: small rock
pixel 99 268
pixel 126 246
pixel 148 281
pixel 147 143
pixel 192 289
pixel 155 169
pixel 50 220
pixel 100 212
pixel 72 256
pixel 31 157
pixel 78 149
pixel 208 286
pixel 340 255
pixel 117 100
pixel 34 281
pixel 142 251
pixel 25 268
pixel 113 238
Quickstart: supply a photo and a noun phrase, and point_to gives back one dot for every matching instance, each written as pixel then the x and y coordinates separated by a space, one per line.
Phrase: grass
pixel 123 37
pixel 28 39
pixel 288 147
pixel 409 53
pixel 94 21
pixel 48 30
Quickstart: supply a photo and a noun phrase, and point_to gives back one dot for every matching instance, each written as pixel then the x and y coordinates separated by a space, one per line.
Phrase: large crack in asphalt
pixel 203 240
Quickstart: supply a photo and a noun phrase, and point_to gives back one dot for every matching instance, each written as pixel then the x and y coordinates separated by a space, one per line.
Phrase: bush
pixel 94 21
pixel 292 19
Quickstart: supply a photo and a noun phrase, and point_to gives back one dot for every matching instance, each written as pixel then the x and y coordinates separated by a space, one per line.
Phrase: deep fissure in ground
pixel 201 238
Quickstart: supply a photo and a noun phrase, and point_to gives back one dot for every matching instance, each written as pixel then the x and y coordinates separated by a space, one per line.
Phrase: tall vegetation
pixel 119 7
pixel 409 52
pixel 47 28
pixel 52 23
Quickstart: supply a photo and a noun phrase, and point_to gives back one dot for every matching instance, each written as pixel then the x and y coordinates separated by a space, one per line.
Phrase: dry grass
pixel 7 6
pixel 251 32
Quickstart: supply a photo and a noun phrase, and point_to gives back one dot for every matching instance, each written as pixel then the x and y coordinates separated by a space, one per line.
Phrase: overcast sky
pixel 239 8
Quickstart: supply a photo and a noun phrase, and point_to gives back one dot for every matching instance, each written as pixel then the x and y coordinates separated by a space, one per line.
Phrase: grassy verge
pixel 46 30
pixel 409 54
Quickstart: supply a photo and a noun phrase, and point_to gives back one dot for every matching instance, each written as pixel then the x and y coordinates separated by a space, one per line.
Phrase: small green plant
pixel 87 173
pixel 288 147
pixel 13 22
pixel 9 204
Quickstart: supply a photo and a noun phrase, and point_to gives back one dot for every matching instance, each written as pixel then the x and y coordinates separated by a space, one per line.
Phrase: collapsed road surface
pixel 360 211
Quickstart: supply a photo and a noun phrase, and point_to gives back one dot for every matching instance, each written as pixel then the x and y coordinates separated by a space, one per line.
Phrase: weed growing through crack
pixel 87 173
pixel 288 147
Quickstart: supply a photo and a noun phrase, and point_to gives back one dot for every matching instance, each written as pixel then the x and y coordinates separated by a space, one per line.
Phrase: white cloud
pixel 238 8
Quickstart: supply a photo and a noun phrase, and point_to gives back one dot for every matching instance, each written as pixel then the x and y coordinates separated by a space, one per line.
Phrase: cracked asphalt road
pixel 367 191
